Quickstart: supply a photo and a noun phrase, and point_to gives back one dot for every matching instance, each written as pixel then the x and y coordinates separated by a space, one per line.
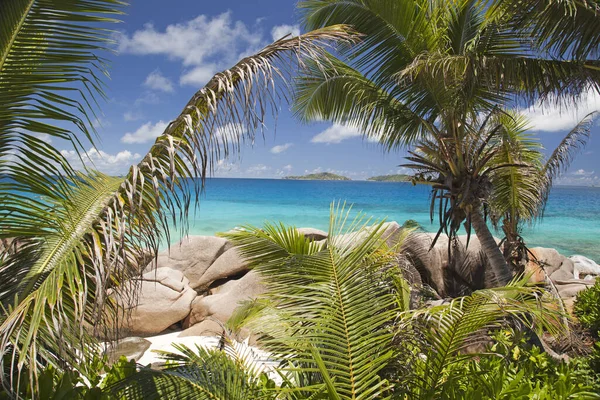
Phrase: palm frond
pixel 343 95
pixel 120 225
pixel 201 373
pixel 338 326
pixel 393 31
pixel 516 189
pixel 565 152
pixel 566 28
pixel 53 291
pixel 489 79
pixel 447 330
pixel 51 78
pixel 334 304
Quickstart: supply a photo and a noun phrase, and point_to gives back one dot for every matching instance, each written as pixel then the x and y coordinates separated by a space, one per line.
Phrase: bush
pixel 514 370
pixel 587 308
pixel 54 384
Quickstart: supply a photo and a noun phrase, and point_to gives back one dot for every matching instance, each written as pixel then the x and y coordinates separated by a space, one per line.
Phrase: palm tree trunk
pixel 489 246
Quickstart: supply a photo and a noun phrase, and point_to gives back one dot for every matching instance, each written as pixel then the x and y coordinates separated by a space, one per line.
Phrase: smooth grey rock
pixel 435 266
pixel 226 298
pixel 575 281
pixel 133 348
pixel 312 233
pixel 429 262
pixel 571 290
pixel 561 275
pixel 192 256
pixel 390 232
pixel 584 266
pixel 205 328
pixel 551 260
pixel 164 298
pixel 229 264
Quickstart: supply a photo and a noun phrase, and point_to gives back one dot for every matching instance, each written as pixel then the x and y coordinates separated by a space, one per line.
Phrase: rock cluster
pixel 569 275
pixel 196 285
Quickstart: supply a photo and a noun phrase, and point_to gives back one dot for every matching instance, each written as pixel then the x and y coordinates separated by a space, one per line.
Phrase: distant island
pixel 323 176
pixel 391 178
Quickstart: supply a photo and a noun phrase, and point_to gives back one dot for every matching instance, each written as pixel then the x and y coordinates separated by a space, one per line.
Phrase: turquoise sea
pixel 571 223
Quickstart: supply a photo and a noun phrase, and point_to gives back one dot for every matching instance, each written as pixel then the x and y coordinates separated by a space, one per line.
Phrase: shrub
pixel 512 369
pixel 587 308
pixel 54 384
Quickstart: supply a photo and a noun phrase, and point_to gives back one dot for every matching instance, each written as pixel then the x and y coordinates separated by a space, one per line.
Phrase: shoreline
pixel 354 180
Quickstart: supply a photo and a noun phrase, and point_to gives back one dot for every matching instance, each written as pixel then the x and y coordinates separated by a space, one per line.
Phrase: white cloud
pixel 105 162
pixel 44 137
pixel 285 170
pixel 574 180
pixel 336 134
pixel 580 177
pixel 258 169
pixel 132 116
pixel 199 75
pixel 145 133
pixel 226 168
pixel 280 31
pixel 281 148
pixel 400 170
pixel 203 44
pixel 552 117
pixel 313 171
pixel 147 98
pixel 156 80
pixel 582 172
pixel 101 123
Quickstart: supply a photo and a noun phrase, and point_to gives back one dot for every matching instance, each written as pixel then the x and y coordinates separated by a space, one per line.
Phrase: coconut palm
pixel 336 320
pixel 77 236
pixel 515 197
pixel 520 194
pixel 461 176
pixel 427 71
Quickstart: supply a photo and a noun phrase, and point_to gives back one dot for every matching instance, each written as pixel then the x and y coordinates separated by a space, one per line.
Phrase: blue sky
pixel 168 50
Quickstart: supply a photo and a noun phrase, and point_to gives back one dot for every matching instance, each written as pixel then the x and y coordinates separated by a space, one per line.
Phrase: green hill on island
pixel 390 178
pixel 322 176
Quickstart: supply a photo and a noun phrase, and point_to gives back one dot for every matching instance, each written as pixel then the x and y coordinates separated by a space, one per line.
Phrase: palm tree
pixel 336 320
pixel 520 194
pixel 425 72
pixel 461 175
pixel 516 189
pixel 79 235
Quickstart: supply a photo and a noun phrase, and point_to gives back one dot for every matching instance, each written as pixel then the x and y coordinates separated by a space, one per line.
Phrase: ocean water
pixel 571 223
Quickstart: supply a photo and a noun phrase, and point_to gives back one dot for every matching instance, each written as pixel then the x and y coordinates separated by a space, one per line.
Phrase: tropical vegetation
pixel 77 235
pixel 522 187
pixel 435 76
pixel 320 176
pixel 391 178
pixel 586 309
pixel 337 322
